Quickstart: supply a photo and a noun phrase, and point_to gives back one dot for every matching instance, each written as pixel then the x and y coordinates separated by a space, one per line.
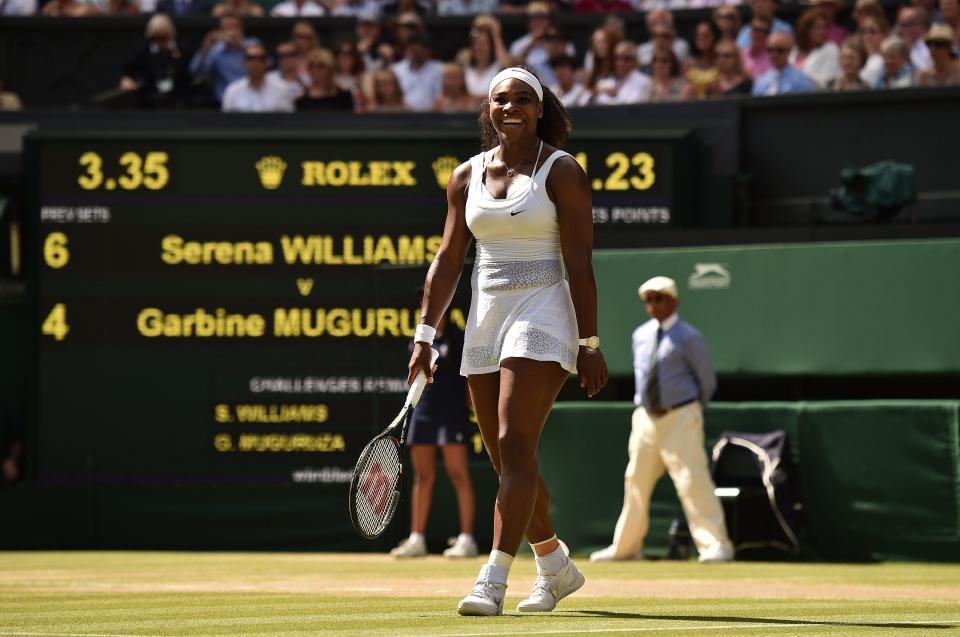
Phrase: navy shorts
pixel 430 431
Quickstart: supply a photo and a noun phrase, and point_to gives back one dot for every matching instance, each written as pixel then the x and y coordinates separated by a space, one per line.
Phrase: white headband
pixel 517 73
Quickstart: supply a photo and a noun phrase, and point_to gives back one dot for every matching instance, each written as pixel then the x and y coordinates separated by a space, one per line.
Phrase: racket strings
pixel 378 475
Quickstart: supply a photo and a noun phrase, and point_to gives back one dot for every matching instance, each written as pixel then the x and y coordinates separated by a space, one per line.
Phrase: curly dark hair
pixel 553 128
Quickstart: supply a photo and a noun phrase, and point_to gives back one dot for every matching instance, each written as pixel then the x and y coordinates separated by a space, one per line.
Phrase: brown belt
pixel 664 412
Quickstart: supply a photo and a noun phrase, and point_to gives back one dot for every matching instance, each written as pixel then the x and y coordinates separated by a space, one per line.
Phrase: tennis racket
pixel 378 476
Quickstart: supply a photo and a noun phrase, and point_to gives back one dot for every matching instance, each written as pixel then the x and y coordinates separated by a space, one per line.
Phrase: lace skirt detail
pixel 520 309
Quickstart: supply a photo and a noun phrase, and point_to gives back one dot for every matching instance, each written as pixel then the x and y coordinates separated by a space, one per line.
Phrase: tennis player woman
pixel 528 206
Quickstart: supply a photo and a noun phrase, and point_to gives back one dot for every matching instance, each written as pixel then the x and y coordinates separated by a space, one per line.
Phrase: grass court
pixel 152 593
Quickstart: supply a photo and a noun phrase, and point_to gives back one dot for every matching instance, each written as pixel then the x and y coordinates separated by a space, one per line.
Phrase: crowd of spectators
pixel 388 64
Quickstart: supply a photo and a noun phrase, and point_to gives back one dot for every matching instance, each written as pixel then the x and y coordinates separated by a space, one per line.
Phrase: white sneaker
pixel 486 598
pixel 410 548
pixel 716 553
pixel 461 546
pixel 550 588
pixel 609 554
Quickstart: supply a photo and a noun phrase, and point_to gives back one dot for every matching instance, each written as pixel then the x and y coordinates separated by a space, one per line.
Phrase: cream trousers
pixel 675 443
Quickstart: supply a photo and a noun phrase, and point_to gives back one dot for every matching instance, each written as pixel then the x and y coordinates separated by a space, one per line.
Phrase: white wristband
pixel 424 334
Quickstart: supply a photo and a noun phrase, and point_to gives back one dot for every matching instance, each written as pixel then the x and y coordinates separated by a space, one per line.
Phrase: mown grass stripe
pixel 560 631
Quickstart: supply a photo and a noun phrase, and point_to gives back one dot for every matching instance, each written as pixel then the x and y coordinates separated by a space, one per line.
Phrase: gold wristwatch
pixel 592 343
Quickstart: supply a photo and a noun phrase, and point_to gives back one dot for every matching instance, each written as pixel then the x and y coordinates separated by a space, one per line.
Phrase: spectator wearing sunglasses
pixel 946 69
pixel 756 58
pixel 288 68
pixel 662 32
pixel 782 78
pixel 728 22
pixel 158 71
pixel 257 92
pixel 765 9
pixel 732 78
pixel 667 84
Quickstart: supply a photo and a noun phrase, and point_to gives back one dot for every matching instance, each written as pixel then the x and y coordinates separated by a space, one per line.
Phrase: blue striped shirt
pixel 686 372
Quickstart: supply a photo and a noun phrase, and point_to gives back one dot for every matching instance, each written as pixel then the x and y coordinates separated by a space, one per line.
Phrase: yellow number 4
pixel 55 324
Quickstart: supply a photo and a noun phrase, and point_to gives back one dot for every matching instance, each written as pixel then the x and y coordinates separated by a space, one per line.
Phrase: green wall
pixel 879 479
pixel 818 309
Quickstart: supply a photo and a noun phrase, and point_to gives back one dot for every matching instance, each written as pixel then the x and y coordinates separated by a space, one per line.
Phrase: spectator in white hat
pixel 946 69
pixel 674 381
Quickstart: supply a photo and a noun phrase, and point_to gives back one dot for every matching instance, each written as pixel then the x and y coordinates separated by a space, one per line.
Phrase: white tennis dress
pixel 521 303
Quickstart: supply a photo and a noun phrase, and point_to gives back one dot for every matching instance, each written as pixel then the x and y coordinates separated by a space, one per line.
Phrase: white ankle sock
pixel 501 559
pixel 497 567
pixel 465 537
pixel 551 562
pixel 417 537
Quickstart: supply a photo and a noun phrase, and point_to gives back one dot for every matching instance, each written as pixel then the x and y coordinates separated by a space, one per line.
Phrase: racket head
pixel 375 487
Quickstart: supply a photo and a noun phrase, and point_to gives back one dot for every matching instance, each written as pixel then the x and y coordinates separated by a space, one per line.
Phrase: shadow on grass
pixel 761 620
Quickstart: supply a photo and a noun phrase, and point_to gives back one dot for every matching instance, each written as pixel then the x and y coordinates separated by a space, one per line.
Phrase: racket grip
pixel 420 382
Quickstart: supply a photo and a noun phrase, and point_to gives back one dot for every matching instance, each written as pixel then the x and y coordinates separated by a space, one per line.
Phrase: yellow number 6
pixel 55 251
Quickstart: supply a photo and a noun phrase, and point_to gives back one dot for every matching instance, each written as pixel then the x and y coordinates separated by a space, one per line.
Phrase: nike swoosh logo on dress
pixel 514 214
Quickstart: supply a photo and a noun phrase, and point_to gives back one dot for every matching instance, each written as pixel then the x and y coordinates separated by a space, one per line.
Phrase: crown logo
pixel 443 168
pixel 271 170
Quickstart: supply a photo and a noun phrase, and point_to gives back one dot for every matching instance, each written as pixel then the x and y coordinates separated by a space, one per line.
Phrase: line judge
pixel 674 381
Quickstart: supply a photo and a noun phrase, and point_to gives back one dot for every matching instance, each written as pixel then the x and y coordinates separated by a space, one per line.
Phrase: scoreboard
pixel 235 308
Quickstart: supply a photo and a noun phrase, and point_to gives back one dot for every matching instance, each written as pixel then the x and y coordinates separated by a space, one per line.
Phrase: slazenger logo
pixel 709 276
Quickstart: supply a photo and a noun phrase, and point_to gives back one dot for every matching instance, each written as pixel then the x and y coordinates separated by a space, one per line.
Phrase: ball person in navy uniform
pixel 528 205
pixel 674 381
pixel 441 420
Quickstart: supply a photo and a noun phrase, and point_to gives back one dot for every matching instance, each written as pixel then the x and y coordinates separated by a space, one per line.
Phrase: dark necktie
pixel 653 378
